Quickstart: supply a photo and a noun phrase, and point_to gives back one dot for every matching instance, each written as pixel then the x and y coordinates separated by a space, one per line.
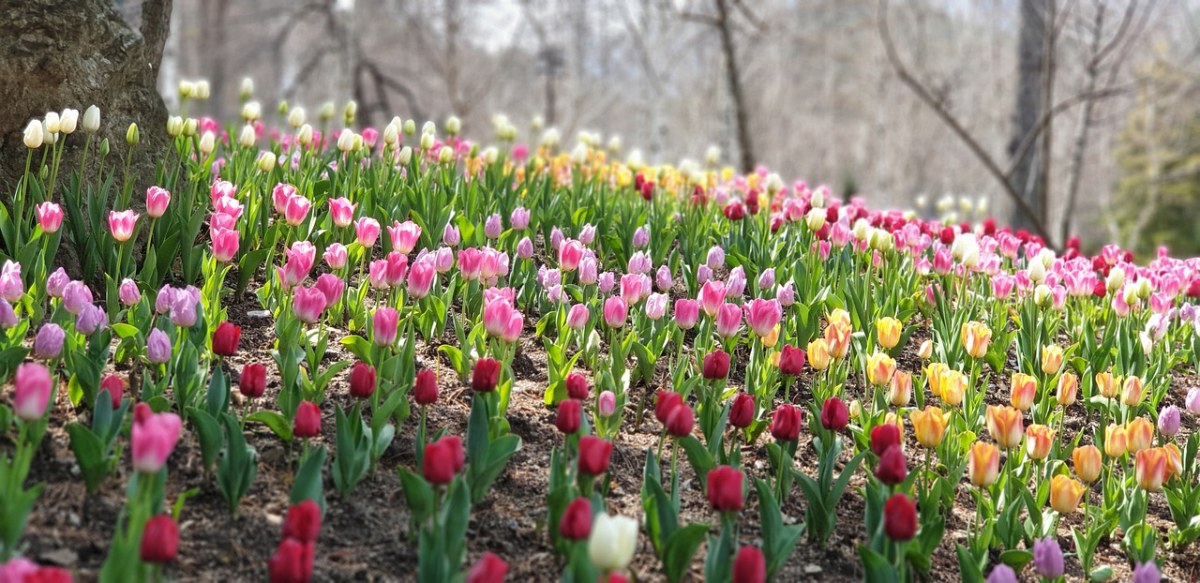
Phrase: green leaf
pixel 417 493
pixel 877 568
pixel 310 483
pixel 125 331
pixel 701 460
pixel 208 432
pixel 680 548
pixel 89 453
pixel 275 421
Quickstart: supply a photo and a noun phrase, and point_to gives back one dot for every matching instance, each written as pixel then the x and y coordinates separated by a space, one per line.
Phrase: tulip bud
pixel 247 136
pixel 266 161
pixel 201 89
pixel 349 112
pixel 446 154
pixel 186 89
pixel 104 147
pixel 251 111
pixel 410 127
pixel 325 111
pixel 405 155
pixel 51 122
pixel 453 125
pixel 207 143
pixel 345 141
pixel 132 137
pixel 189 127
pixel 33 135
pixel 391 134
pixel 247 88
pixel 612 541
pixel 427 140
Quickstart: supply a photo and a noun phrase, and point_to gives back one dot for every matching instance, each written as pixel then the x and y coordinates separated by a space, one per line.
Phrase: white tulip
pixel 68 121
pixel 33 134
pixel 91 119
pixel 612 541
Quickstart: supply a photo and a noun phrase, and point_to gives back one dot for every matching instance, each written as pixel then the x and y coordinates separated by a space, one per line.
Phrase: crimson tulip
pixel 741 412
pixel 308 420
pixel 834 414
pixel 486 375
pixel 594 455
pixel 576 523
pixel 884 436
pixel 893 467
pixel 570 414
pixel 750 566
pixel 362 380
pixel 725 489
pixel 160 540
pixel 303 521
pixel 225 339
pixel 425 388
pixel 785 423
pixel 253 381
pixel 716 365
pixel 900 517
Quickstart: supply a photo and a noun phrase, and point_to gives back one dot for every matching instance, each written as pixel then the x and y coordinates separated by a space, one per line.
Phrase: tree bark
pixel 734 80
pixel 1029 175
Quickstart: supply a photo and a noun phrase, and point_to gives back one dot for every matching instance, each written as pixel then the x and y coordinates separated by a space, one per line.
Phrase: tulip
pixel 762 315
pixel 1116 441
pixel 404 236
pixel 1005 425
pixel 900 389
pixel 291 563
pixel 711 297
pixel 113 386
pixel 716 365
pixel 1068 388
pixel 1193 401
pixel 49 341
pixel 576 523
pixel 569 255
pixel 153 438
pixel 1146 573
pixel 362 380
pixel 929 426
pixel 1131 391
pixel 1052 359
pixel 785 423
pixel 425 387
pixel 983 464
pixel 1065 494
pixel 975 337
pixel 834 414
pixel 1168 421
pixel 160 540
pixel 158 347
pixel 76 297
pixel 341 212
pixel 664 402
pixel 926 350
pixel 33 387
pixel 1107 385
pixel 488 569
pixel 385 325
pixel 577 317
pixel 791 360
pixel 577 387
pixel 225 339
pixel 486 375
pixel 1002 574
pixel 880 368
pixel 307 422
pixel 1151 468
pixel 887 330
pixel 331 286
pixel 49 216
pixel 8 317
pixel 612 541
pixel 1039 439
pixel 570 412
pixel 680 420
pixel 157 199
pixel 749 566
pixel 1024 390
pixel 91 319
pixel 366 231
pixel 439 464
pixel 900 518
pixel 1141 434
pixel 303 521
pixel 742 411
pixel 725 489
pixel 121 224
pixel 594 455
pixel 307 304
pixel 884 436
pixel 615 312
pixel 606 404
pixel 819 354
pixel 336 256
pixel 34 135
pixel 893 467
pixel 1047 558
pixel 729 320
pixel 838 338
pixel 253 380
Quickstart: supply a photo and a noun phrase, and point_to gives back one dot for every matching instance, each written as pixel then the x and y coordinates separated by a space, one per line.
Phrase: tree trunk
pixel 1029 174
pixel 745 146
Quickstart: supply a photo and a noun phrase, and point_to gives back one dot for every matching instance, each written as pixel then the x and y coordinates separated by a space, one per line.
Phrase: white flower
pixel 612 541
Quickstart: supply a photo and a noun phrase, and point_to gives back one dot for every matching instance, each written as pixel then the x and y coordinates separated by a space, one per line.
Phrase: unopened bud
pixel 189 126
pixel 247 89
pixel 201 90
pixel 132 136
pixel 207 142
pixel 247 137
pixel 410 127
pixel 68 121
pixel 34 135
pixel 325 112
pixel 266 161
pixel 304 135
pixel 349 112
pixel 446 154
pixel 405 155
pixel 296 117
pixel 174 126
pixel 51 123
pixel 91 119
pixel 251 111
pixel 453 125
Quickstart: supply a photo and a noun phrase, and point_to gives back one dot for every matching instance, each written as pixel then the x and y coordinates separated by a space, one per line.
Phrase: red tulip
pixel 884 436
pixel 750 566
pixel 834 414
pixel 253 381
pixel 664 402
pixel 114 386
pixel 439 464
pixel 725 489
pixel 456 448
pixel 741 412
pixel 425 388
pixel 900 517
pixel 303 521
pixel 486 375
pixel 160 539
pixel 488 569
pixel 716 365
pixel 791 360
pixel 362 380
pixel 892 468
pixel 785 423
pixel 225 339
pixel 576 523
pixel 308 420
pixel 48 575
pixel 577 387
pixel 570 412
pixel 594 454
pixel 292 563
pixel 681 421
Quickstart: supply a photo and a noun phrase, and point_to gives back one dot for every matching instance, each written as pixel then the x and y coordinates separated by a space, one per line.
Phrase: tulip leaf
pixel 1101 574
pixel 208 432
pixel 457 516
pixel 878 569
pixel 968 566
pixel 310 482
pixel 1016 558
pixel 417 493
pixel 701 460
pixel 89 453
pixel 358 346
pixel 680 548
pixel 125 331
pixel 276 422
pixel 779 540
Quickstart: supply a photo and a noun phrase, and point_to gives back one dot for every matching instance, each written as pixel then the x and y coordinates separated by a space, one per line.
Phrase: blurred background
pixel 1088 111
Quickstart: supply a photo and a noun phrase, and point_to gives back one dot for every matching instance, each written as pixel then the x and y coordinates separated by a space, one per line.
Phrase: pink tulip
pixel 450 236
pixel 577 317
pixel 157 199
pixel 129 292
pixel 55 284
pixel 48 343
pixel 712 295
pixel 397 268
pixel 296 210
pixel 492 227
pixel 735 284
pixel 656 306
pixel 587 234
pixel 662 279
pixel 307 304
pixel 228 206
pixel 729 320
pixel 33 386
pixel 11 286
pixel 607 404
pixel 762 315
pixel 225 244
pixel 589 271
pixel 336 256
pixel 519 219
pixel 153 438
pixel 404 236
pixel 632 290
pixel 525 248
pixel 615 311
pixel 183 307
pixel 76 296
pixel 377 274
pixel 121 224
pixel 158 347
pixel 502 320
pixel 469 260
pixel 569 255
pixel 280 196
pixel 687 312
pixel 341 210
pixel 49 216
pixel 222 189
pixel 641 237
pixel 444 261
pixel 331 286
pixel 366 230
pixel 8 317
pixel 640 262
pixel 421 276
pixel 716 258
pixel 384 326
pixel 91 319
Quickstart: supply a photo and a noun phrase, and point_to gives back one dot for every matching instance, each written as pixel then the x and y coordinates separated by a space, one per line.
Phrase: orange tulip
pixel 1068 388
pixel 1065 494
pixel 839 317
pixel 975 337
pixel 1174 460
pixel 1088 462
pixel 1039 439
pixel 933 373
pixel 1052 358
pixel 1107 384
pixel 1024 391
pixel 1131 391
pixel 983 464
pixel 818 354
pixel 1141 434
pixel 929 426
pixel 1006 426
pixel 888 332
pixel 900 391
pixel 1116 441
pixel 838 338
pixel 1151 468
pixel 880 368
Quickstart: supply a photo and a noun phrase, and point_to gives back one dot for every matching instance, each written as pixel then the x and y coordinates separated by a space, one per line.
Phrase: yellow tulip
pixel 929 426
pixel 1151 468
pixel 1116 441
pixel 954 387
pixel 887 329
pixel 1140 432
pixel 838 338
pixel 1052 358
pixel 818 354
pixel 934 373
pixel 926 350
pixel 1068 388
pixel 772 338
pixel 880 368
pixel 839 317
pixel 1024 391
pixel 900 390
pixel 1039 440
pixel 1107 384
pixel 1088 462
pixel 1065 494
pixel 1006 426
pixel 975 337
pixel 983 464
pixel 1174 460
pixel 1131 391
